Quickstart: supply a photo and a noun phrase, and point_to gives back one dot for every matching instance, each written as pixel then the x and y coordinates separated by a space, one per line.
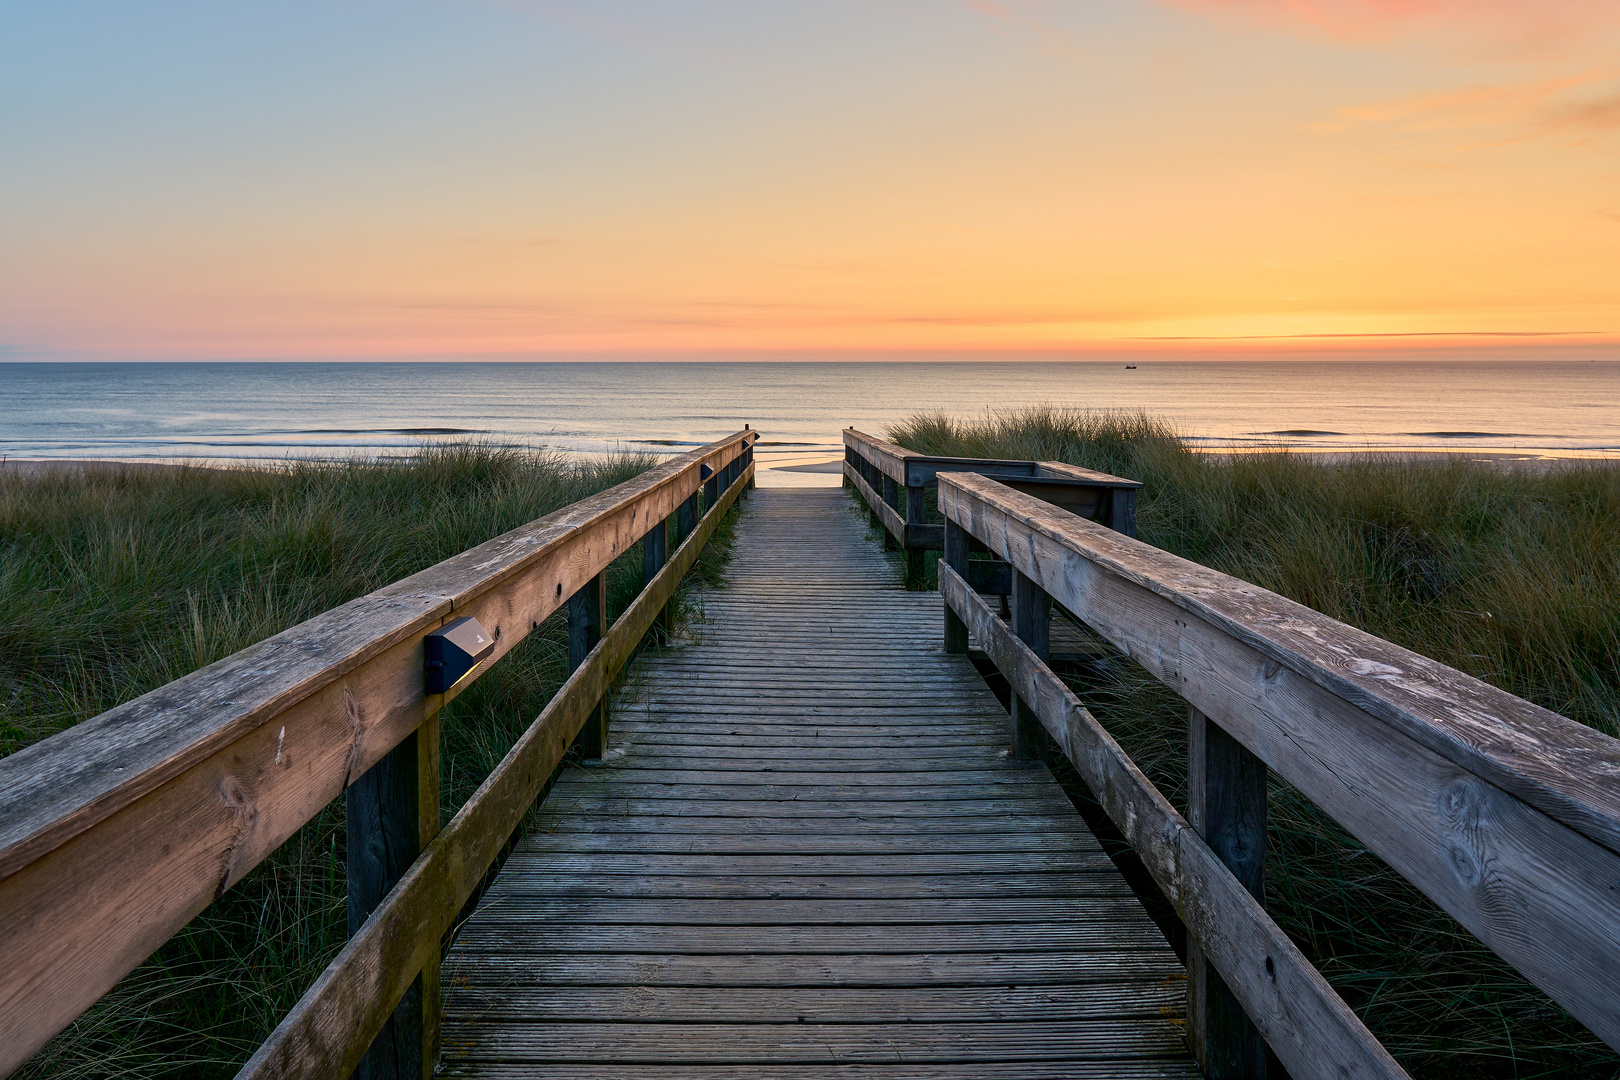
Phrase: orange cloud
pixel 1580 105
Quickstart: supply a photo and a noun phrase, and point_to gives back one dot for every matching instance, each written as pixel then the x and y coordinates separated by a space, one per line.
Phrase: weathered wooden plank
pixel 780 911
pixel 942 765
pixel 1412 757
pixel 650 742
pixel 1309 1027
pixel 980 779
pixel 1146 999
pixel 717 1044
pixel 1143 1069
pixel 1080 884
pixel 876 830
pixel 801 841
pixel 819 793
pixel 872 970
pixel 816 864
pixel 972 731
pixel 516 936
pixel 889 809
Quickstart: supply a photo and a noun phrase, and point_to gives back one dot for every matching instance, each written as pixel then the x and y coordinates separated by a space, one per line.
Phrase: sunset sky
pixel 765 178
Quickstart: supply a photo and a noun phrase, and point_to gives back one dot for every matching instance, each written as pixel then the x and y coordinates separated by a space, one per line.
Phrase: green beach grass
pixel 118 579
pixel 1508 574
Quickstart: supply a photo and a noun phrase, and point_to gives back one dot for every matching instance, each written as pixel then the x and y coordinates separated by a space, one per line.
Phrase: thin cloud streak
pixel 1525 26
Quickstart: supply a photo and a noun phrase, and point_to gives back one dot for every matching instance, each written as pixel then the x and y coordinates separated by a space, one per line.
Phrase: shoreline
pixel 821 464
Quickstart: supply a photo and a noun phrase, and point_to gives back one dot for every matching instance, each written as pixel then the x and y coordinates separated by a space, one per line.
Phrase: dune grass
pixel 1508 574
pixel 117 580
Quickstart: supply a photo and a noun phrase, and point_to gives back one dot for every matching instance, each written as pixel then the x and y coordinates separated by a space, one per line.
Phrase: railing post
pixel 1226 803
pixel 891 496
pixel 1122 511
pixel 392 813
pixel 711 487
pixel 870 475
pixel 916 515
pixel 1031 621
pixel 587 617
pixel 654 553
pixel 956 557
pixel 686 519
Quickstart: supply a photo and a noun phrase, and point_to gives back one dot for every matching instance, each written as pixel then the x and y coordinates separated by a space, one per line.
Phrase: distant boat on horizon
pixel 1130 367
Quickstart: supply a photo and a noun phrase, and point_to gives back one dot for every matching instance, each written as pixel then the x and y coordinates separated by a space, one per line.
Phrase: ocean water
pixel 220 411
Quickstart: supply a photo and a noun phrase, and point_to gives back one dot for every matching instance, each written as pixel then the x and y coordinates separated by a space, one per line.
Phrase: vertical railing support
pixel 711 486
pixel 587 617
pixel 1226 804
pixel 654 553
pixel 916 515
pixel 891 496
pixel 1031 621
pixel 686 517
pixel 392 813
pixel 1122 511
pixel 956 557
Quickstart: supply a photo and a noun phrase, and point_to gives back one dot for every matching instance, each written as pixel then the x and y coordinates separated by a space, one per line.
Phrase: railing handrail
pixel 118 831
pixel 909 468
pixel 1506 814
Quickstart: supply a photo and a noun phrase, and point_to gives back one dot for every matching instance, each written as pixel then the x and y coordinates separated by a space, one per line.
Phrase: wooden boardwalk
pixel 808 855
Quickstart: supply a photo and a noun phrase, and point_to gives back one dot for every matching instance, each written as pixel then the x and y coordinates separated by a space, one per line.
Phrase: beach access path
pixel 808 854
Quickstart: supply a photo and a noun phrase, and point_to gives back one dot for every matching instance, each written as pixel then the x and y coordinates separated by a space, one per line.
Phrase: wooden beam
pixel 891 521
pixel 1031 622
pixel 1226 803
pixel 955 556
pixel 654 552
pixel 1058 470
pixel 911 469
pixel 885 457
pixel 1313 1032
pixel 1503 813
pixel 587 618
pixel 916 519
pixel 95 874
pixel 326 1033
pixel 392 813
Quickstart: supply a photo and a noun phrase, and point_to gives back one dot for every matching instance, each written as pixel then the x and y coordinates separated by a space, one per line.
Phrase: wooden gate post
pixel 956 557
pixel 392 812
pixel 587 617
pixel 1031 621
pixel 654 553
pixel 1226 803
pixel 916 515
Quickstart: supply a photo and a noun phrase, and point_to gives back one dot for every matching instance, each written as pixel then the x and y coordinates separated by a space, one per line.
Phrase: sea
pixel 235 411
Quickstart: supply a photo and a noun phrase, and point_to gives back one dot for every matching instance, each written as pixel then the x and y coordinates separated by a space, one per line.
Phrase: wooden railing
pixel 117 832
pixel 879 471
pixel 1504 814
